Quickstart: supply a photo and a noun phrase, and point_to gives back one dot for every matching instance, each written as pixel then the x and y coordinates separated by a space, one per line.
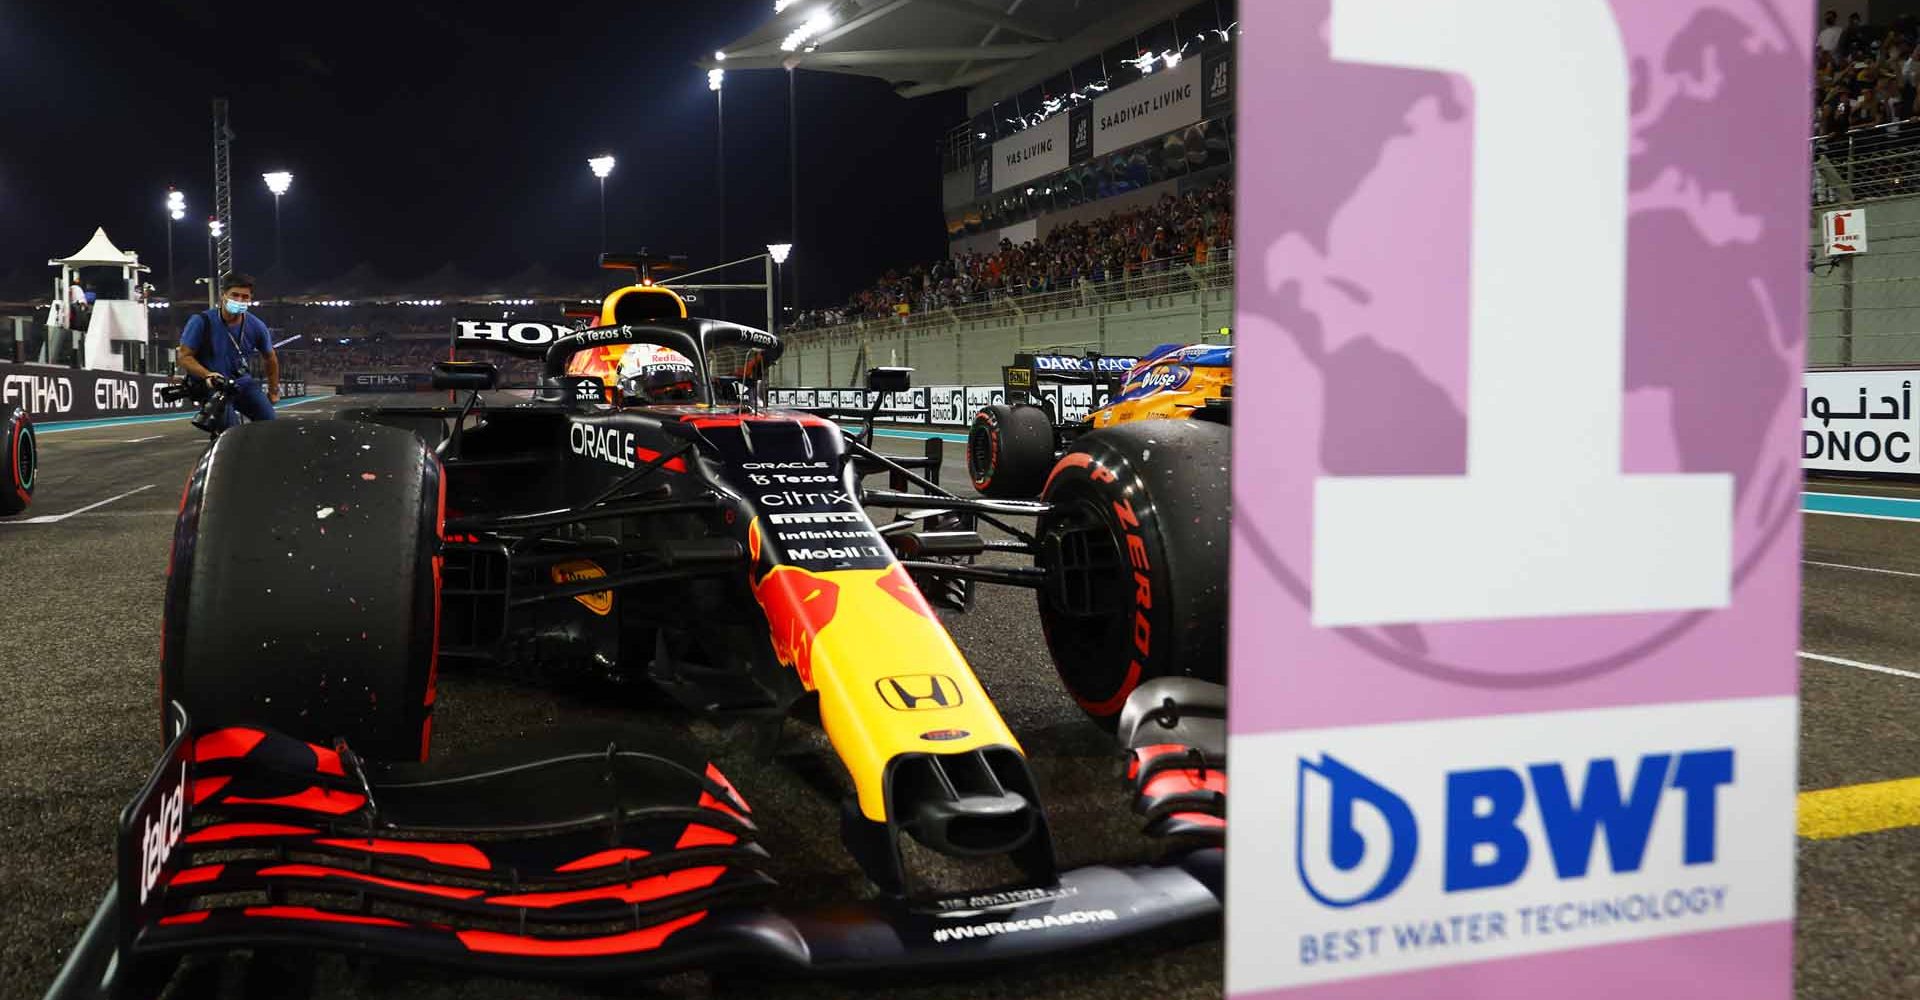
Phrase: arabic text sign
pixel 1859 421
pixel 1481 700
pixel 1845 231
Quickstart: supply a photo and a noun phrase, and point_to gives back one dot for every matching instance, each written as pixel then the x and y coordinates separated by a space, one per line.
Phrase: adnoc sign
pixel 1487 589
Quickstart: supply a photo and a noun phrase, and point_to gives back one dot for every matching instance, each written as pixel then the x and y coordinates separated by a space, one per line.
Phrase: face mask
pixel 236 308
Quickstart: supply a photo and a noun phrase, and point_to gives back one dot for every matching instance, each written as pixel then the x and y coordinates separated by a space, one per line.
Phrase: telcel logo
pixel 1357 840
pixel 160 832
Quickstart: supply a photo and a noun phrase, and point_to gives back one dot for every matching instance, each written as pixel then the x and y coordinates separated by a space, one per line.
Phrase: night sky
pixel 423 133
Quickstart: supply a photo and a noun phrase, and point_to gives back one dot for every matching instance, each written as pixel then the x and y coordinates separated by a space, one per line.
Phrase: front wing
pixel 608 864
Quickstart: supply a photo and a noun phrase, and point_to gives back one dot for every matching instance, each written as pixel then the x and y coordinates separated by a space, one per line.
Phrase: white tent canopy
pixel 100 252
pixel 108 319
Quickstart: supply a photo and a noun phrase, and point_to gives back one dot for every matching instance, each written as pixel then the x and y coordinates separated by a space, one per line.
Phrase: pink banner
pixel 1515 572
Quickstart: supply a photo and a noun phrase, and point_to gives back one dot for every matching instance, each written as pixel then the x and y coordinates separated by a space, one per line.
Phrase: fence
pixel 1166 276
pixel 1864 309
pixel 967 344
pixel 1867 164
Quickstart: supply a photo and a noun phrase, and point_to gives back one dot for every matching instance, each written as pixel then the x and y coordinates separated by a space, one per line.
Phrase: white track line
pixel 1864 517
pixel 1875 667
pixel 155 437
pixel 56 518
pixel 1861 569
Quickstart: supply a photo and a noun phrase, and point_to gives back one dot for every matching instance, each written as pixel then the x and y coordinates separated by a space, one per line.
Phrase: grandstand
pixel 1092 176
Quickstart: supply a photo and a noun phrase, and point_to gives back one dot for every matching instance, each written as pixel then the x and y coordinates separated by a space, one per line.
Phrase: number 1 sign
pixel 1521 292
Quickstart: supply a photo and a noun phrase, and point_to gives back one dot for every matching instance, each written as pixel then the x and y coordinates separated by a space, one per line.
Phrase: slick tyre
pixel 1135 550
pixel 19 459
pixel 1009 450
pixel 303 590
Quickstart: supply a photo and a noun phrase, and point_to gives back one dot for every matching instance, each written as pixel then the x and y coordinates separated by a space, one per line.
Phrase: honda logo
pixel 918 692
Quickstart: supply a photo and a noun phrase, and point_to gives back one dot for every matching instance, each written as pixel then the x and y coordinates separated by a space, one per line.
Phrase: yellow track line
pixel 1857 809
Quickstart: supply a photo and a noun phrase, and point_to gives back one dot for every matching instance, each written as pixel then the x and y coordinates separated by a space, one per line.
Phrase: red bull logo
pixel 798 606
pixel 901 586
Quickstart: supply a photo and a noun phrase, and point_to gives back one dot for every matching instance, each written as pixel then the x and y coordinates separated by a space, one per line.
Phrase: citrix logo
pixel 1355 840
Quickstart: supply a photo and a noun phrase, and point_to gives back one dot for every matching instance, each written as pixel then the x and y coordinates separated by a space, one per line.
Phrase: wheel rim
pixel 23 459
pixel 1091 593
pixel 981 452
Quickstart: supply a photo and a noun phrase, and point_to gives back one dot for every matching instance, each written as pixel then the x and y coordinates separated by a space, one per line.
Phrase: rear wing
pixel 525 338
pixel 1023 378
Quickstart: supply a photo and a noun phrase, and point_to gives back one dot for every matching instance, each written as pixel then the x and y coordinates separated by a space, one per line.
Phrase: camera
pixel 213 397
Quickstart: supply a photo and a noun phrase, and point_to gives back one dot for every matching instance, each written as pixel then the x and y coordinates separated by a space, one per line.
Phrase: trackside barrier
pixel 946 405
pixel 1856 420
pixel 55 393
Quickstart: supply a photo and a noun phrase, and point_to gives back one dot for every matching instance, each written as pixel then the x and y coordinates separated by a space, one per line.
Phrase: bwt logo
pixel 1357 840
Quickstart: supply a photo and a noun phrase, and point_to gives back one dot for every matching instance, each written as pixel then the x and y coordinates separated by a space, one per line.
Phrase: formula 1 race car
pixel 669 529
pixel 1012 446
pixel 19 459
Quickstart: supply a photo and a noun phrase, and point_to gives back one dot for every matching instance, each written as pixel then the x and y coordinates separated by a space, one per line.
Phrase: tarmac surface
pixel 80 588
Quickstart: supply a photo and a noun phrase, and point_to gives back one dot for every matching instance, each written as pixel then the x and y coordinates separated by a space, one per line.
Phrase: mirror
pixel 890 379
pixel 465 376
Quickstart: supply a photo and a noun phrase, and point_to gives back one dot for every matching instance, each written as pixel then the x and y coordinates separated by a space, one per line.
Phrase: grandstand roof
pixel 928 46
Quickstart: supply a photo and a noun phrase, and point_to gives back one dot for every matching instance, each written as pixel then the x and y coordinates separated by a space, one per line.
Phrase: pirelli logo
pixel 918 692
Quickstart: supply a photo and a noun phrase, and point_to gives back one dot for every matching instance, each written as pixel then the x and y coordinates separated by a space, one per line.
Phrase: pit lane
pixel 79 638
pixel 79 632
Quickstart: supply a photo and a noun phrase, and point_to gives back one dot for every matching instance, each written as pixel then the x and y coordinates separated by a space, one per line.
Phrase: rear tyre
pixel 303 591
pixel 1135 549
pixel 19 460
pixel 1009 450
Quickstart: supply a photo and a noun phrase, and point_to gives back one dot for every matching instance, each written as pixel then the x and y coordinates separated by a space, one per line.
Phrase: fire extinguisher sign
pixel 1845 231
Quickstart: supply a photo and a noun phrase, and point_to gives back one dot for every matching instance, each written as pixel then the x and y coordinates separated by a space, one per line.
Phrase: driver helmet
pixel 650 373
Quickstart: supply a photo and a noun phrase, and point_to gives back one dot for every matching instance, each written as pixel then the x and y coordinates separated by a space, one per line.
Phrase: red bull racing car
pixel 671 528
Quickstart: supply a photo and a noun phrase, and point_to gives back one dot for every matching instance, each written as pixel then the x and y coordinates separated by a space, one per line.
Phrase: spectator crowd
pixel 325 351
pixel 1864 76
pixel 1179 229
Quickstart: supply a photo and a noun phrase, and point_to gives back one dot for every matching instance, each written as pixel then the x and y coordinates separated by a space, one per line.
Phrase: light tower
pixel 176 210
pixel 602 165
pixel 278 182
pixel 222 196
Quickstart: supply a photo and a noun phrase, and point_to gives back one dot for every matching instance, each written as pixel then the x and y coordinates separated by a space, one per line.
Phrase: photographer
pixel 222 345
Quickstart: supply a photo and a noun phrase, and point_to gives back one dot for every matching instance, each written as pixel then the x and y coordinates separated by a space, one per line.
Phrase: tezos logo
pixel 1356 840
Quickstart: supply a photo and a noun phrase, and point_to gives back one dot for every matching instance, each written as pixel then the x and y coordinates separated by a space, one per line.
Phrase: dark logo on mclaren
pixel 918 692
pixel 943 735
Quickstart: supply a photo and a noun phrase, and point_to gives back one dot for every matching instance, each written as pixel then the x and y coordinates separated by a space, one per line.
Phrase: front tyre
pixel 19 460
pixel 1009 450
pixel 1135 549
pixel 303 590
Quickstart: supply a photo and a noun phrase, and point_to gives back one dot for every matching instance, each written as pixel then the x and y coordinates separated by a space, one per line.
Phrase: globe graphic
pixel 1357 293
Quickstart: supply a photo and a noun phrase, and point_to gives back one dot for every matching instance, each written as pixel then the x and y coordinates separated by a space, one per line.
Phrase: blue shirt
pixel 213 343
